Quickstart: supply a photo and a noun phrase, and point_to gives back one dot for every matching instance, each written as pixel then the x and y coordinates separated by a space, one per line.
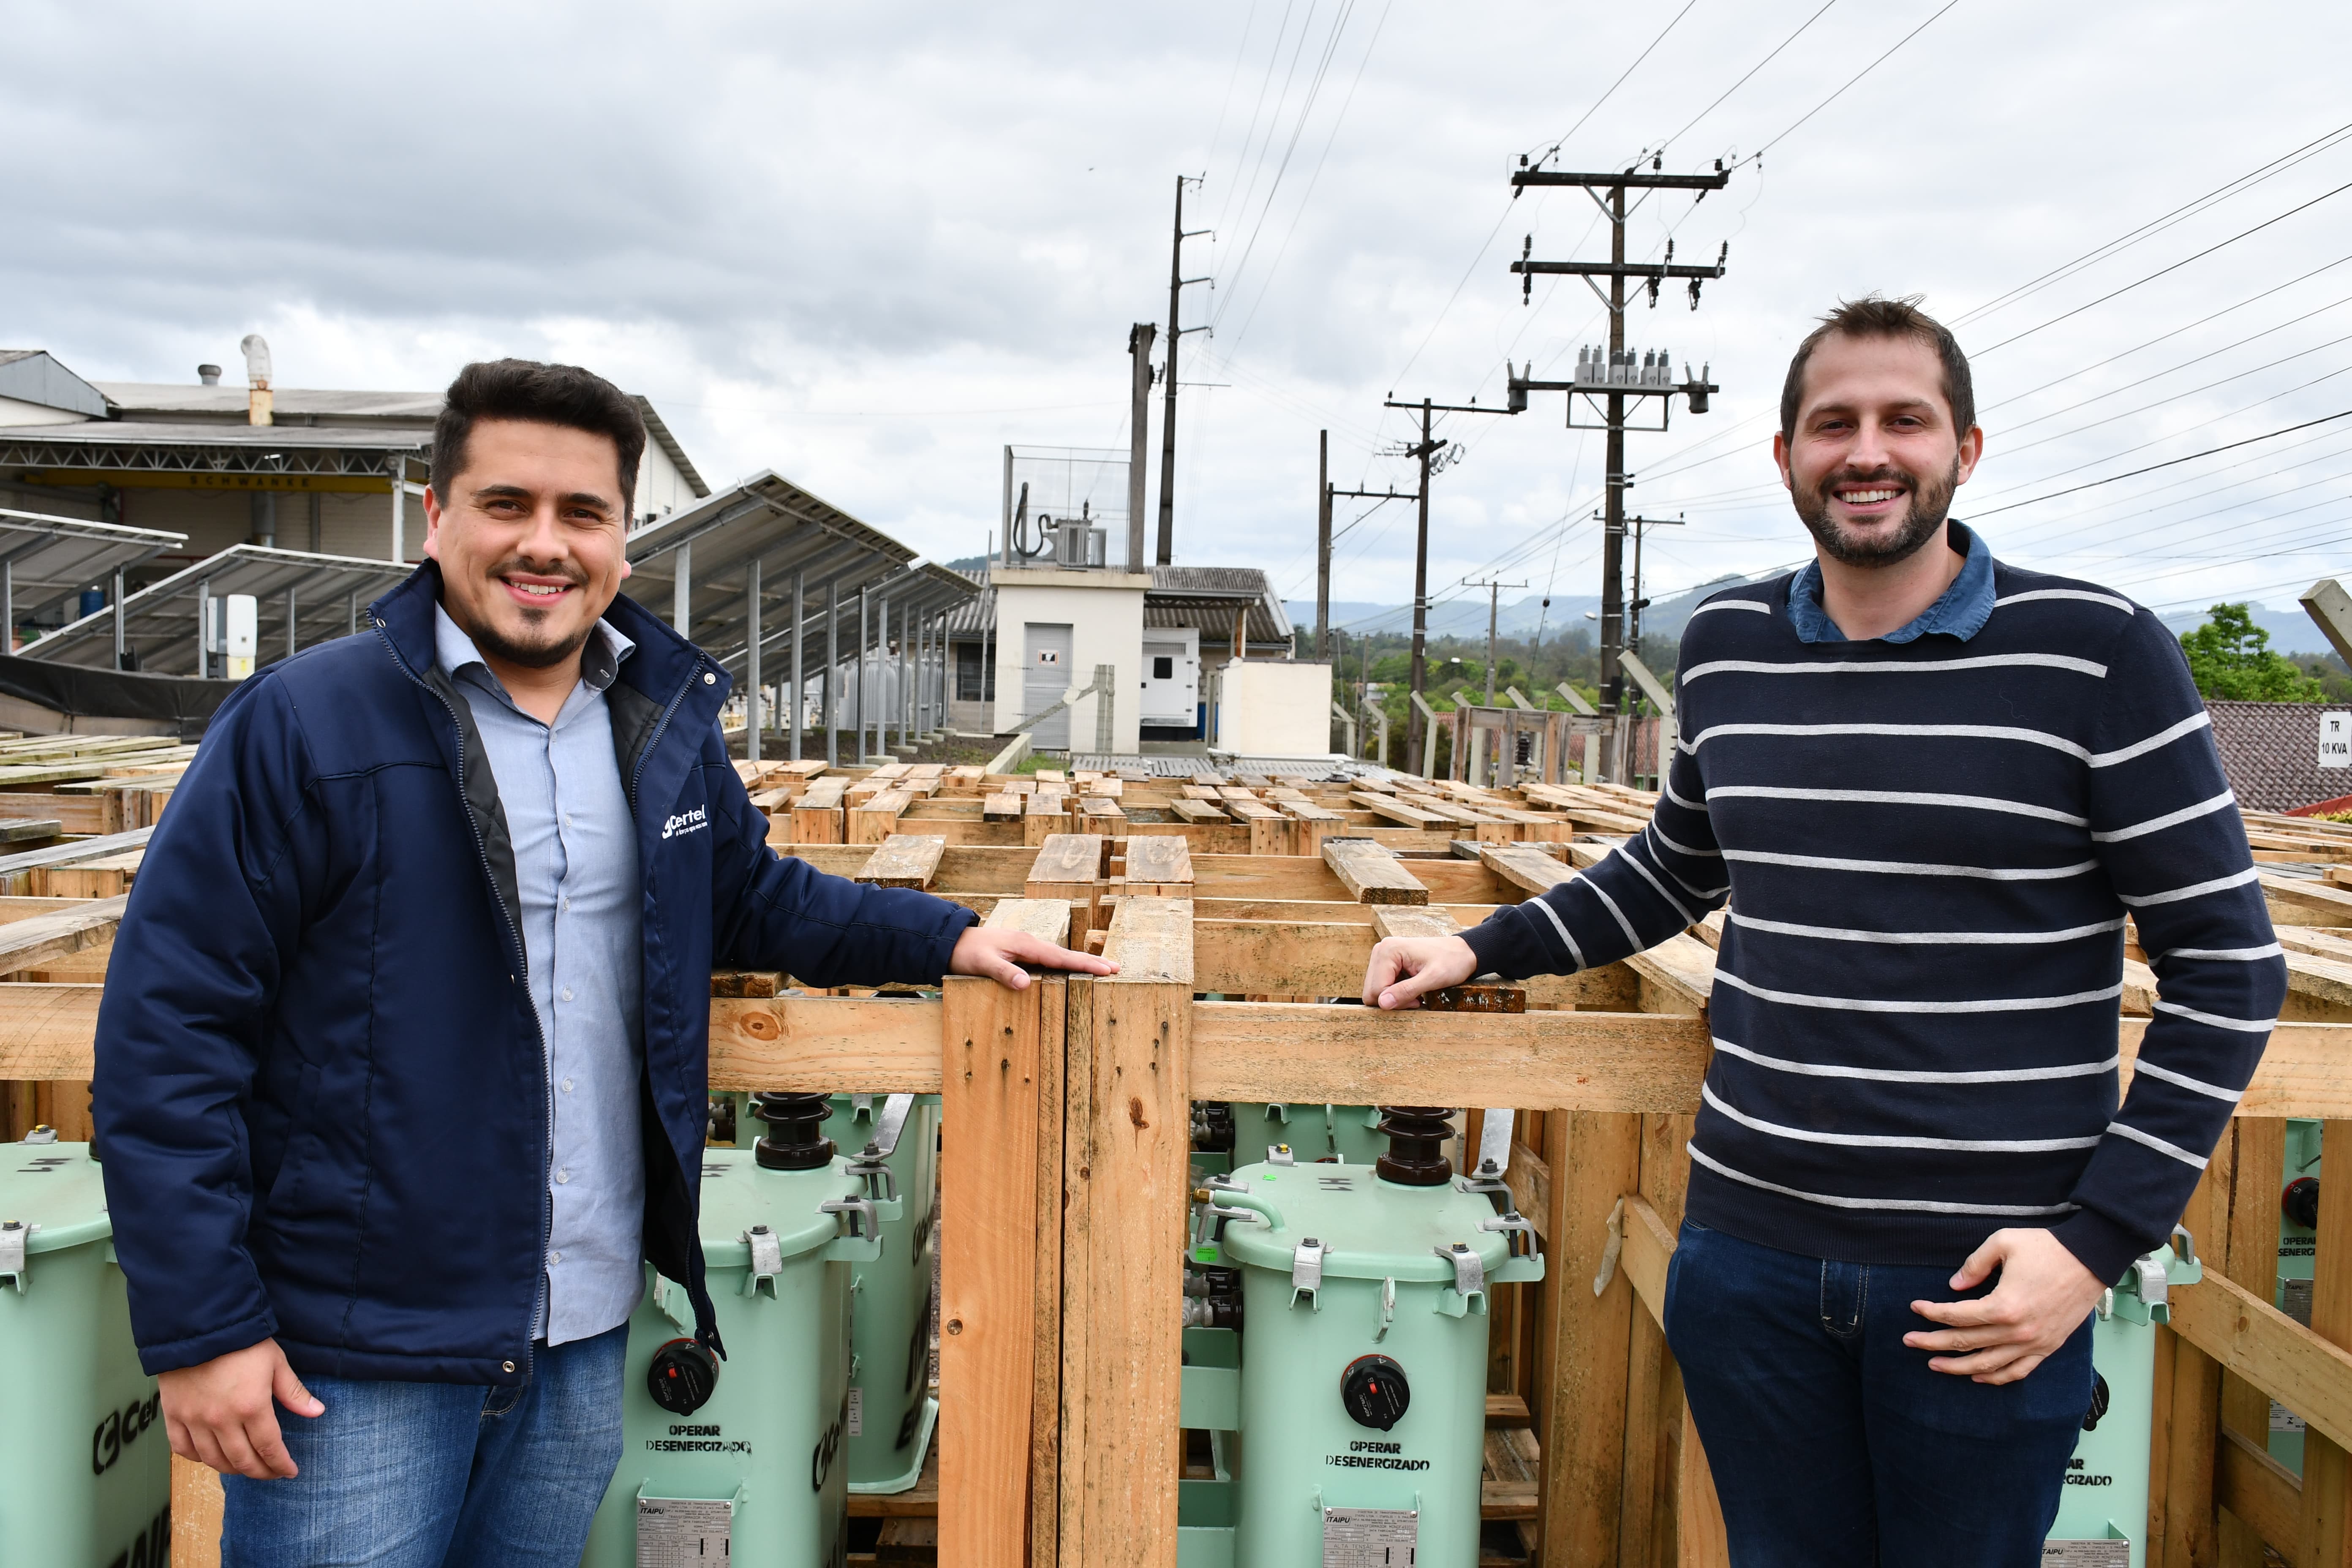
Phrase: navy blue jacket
pixel 321 1092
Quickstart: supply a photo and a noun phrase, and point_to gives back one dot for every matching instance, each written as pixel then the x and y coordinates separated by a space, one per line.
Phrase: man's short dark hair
pixel 525 389
pixel 1875 317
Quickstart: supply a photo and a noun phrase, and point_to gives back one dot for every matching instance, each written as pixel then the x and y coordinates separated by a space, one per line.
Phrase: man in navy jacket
pixel 354 1114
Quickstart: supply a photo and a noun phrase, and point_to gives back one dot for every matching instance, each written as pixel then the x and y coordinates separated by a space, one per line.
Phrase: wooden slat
pixel 1002 807
pixel 1370 874
pixel 27 943
pixel 1677 975
pixel 1594 1159
pixel 1414 919
pixel 904 860
pixel 1065 866
pixel 1525 868
pixel 2253 1339
pixel 877 818
pixel 2263 1493
pixel 1196 811
pixel 1160 864
pixel 1128 1162
pixel 807 1043
pixel 1649 1249
pixel 989 1107
pixel 1393 810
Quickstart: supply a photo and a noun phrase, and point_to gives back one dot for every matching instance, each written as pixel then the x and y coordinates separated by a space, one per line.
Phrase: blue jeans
pixel 1832 1444
pixel 440 1475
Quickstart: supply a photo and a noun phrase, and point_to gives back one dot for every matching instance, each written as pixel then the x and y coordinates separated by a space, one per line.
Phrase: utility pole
pixel 1617 377
pixel 1176 331
pixel 1322 544
pixel 1640 525
pixel 1494 598
pixel 1138 441
pixel 1427 450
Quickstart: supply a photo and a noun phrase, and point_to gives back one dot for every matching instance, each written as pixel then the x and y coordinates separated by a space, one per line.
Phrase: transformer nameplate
pixel 2086 1554
pixel 1371 1537
pixel 684 1532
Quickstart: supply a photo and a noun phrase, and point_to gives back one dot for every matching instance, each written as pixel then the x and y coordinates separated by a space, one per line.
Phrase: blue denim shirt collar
pixel 1961 612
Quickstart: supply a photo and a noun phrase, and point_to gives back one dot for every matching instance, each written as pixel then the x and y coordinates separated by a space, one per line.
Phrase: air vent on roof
pixel 209 374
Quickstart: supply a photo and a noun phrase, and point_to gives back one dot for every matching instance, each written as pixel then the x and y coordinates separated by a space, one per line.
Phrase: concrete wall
pixel 661 489
pixel 1103 611
pixel 1272 708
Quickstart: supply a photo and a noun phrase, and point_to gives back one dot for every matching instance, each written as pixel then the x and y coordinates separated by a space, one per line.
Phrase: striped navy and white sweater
pixel 1929 844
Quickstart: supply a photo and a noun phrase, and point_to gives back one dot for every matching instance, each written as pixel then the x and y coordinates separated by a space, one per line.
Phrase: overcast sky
pixel 868 247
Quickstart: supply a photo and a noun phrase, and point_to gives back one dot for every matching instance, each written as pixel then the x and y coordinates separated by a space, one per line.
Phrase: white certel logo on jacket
pixel 685 822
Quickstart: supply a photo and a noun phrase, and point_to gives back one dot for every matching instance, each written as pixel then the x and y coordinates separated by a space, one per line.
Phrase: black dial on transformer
pixel 1374 1391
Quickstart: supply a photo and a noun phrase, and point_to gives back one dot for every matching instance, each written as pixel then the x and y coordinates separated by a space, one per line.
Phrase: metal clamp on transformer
pixel 863 1244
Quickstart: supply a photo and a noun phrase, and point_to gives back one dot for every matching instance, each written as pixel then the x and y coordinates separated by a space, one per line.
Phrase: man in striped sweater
pixel 1932 787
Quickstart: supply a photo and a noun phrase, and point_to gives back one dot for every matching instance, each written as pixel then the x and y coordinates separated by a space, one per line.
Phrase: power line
pixel 1759 66
pixel 1298 128
pixel 2156 225
pixel 2172 462
pixel 2162 270
pixel 2176 396
pixel 2162 337
pixel 1841 92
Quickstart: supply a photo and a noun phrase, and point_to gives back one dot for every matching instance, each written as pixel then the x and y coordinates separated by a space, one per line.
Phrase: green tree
pixel 2231 658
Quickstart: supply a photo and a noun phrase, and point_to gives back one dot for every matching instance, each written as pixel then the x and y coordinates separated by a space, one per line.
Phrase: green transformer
pixel 893 1142
pixel 85 1468
pixel 741 1461
pixel 1359 1429
pixel 2103 1512
pixel 2298 1239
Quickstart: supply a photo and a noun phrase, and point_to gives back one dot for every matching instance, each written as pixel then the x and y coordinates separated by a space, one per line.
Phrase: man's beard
pixel 534 655
pixel 1930 503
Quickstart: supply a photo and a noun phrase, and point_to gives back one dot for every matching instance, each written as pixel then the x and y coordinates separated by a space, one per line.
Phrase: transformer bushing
pixel 793 1141
pixel 1416 1153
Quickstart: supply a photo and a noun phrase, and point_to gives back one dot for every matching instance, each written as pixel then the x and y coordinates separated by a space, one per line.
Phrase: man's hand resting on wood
pixel 2043 1296
pixel 996 953
pixel 221 1413
pixel 1403 967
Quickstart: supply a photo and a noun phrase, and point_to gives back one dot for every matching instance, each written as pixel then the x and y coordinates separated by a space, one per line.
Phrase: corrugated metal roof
pixel 144 402
pixel 1203 597
pixel 34 375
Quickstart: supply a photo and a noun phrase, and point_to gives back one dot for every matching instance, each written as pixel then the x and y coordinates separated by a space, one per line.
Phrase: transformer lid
pixel 1371 1229
pixel 57 1188
pixel 736 1195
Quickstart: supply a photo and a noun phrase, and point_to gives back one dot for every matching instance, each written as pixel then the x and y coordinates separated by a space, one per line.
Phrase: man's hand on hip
pixel 996 953
pixel 221 1414
pixel 2043 1296
pixel 1403 967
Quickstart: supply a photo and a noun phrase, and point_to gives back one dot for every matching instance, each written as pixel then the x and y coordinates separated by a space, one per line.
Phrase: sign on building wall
pixel 2335 740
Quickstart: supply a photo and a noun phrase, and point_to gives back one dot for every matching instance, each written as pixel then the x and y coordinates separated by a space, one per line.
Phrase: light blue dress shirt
pixel 575 854
pixel 1961 611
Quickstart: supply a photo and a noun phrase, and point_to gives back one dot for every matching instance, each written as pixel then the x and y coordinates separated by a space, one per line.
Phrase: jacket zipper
pixel 547 1088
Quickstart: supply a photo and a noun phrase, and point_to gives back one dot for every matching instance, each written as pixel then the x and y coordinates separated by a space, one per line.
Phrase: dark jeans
pixel 1832 1444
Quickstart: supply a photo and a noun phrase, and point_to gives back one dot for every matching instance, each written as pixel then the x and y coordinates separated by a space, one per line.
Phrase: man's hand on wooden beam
pixel 995 953
pixel 1403 967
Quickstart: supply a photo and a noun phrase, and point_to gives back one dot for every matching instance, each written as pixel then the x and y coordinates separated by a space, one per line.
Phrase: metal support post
pixel 204 626
pixel 681 601
pixel 860 709
pixel 799 708
pixel 8 602
pixel 1322 544
pixel 753 718
pixel 351 614
pixel 290 623
pixel 400 510
pixel 121 637
pixel 901 708
pixel 827 694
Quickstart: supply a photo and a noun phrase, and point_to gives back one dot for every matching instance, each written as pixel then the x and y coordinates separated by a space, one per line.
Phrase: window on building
pixel 975 676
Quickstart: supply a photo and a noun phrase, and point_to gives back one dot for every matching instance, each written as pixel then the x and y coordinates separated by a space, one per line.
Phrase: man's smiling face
pixel 1874 460
pixel 530 540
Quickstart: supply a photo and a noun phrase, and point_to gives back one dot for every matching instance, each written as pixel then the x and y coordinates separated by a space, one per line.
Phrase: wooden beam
pixel 1649 1250
pixel 999 1344
pixel 904 860
pixel 2253 1339
pixel 1594 1159
pixel 1126 1167
pixel 1159 866
pixel 1525 868
pixel 27 943
pixel 1359 1055
pixel 1370 874
pixel 810 1043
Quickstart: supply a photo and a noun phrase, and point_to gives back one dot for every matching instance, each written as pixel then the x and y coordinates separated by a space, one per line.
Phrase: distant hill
pixel 2292 631
pixel 1467 618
